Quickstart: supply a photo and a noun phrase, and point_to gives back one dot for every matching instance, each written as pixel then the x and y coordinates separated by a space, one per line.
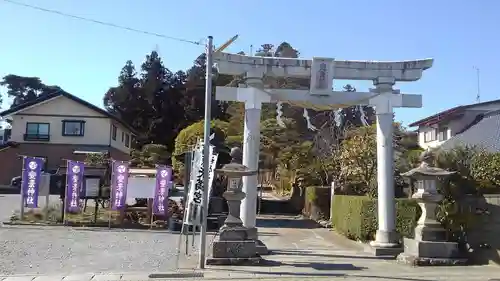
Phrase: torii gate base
pixel 321 72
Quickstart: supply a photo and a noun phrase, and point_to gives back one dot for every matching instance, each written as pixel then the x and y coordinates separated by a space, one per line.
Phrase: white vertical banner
pixel 195 195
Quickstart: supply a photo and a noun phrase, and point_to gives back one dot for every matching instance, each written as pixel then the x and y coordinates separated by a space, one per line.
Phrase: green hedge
pixel 356 216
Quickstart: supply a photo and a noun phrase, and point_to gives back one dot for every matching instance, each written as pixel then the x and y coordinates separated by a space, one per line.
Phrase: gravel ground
pixel 9 203
pixel 62 250
pixel 56 250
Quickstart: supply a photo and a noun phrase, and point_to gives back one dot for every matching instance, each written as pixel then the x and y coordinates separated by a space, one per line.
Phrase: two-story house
pixel 435 130
pixel 61 126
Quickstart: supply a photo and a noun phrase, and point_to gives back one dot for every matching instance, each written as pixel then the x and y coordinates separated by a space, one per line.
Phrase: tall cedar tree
pixel 159 103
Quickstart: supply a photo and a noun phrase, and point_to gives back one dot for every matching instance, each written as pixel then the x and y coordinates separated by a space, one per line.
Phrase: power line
pixel 102 22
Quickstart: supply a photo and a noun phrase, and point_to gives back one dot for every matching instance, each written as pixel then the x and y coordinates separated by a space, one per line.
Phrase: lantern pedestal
pixel 234 245
pixel 430 253
pixel 430 245
pixel 261 247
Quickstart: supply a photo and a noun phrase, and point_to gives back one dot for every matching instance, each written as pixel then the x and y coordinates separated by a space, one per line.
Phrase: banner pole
pixel 111 183
pixel 109 219
pixel 65 214
pixel 179 242
pixel 47 202
pixel 21 212
pixel 206 154
pixel 185 233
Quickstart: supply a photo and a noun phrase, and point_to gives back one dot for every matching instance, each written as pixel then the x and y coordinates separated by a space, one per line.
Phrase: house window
pixel 37 132
pixel 123 136
pixel 133 141
pixel 443 134
pixel 127 140
pixel 430 135
pixel 113 132
pixel 74 128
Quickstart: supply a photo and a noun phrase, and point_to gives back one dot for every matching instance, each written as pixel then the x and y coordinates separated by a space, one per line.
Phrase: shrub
pixel 459 159
pixel 476 173
pixel 150 155
pixel 356 216
pixel 187 138
pixel 486 170
pixel 234 141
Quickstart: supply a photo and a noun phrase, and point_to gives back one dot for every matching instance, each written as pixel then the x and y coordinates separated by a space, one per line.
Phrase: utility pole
pixel 478 96
pixel 206 151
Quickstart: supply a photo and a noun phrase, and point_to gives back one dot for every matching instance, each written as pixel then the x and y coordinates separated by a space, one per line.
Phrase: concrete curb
pixel 81 228
pixel 177 275
pixel 131 276
pixel 86 228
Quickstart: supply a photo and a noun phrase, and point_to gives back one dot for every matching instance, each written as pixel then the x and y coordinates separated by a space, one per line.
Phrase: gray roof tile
pixel 485 134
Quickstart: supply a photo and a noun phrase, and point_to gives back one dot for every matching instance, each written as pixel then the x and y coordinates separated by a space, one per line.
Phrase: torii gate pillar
pixel 251 146
pixel 386 236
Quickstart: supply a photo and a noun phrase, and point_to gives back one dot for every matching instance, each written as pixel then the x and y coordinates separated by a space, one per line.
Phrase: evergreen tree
pixel 24 89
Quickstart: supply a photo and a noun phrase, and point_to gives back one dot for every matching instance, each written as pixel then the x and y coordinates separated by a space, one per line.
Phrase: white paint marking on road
pixel 296 246
pixel 317 235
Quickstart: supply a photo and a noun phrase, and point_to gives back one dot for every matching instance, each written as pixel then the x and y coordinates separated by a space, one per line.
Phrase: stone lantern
pixel 430 245
pixel 234 246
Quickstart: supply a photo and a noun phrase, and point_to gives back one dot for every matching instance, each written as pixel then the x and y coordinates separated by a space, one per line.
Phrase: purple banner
pixel 32 173
pixel 74 181
pixel 119 180
pixel 163 178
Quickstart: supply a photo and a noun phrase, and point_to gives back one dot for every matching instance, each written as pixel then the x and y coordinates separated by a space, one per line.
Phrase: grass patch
pixel 52 215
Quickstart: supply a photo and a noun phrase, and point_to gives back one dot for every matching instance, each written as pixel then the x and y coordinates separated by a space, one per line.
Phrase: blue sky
pixel 85 58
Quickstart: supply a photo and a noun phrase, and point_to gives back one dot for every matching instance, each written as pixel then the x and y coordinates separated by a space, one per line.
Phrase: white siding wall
pixel 97 126
pixel 119 142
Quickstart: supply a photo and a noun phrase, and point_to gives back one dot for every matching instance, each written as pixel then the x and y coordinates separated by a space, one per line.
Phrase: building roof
pixel 448 114
pixel 15 109
pixel 485 134
pixel 88 171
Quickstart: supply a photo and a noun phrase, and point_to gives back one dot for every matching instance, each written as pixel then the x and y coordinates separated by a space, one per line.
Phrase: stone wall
pixel 317 202
pixel 484 235
pixel 293 205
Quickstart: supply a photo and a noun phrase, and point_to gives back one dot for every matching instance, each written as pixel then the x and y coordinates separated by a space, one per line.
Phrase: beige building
pixel 58 125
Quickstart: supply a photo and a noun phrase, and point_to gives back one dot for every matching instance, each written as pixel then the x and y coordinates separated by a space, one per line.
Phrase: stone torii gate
pixel 322 72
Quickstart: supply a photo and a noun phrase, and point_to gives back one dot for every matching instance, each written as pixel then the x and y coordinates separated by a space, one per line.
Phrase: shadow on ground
pixel 287 223
pixel 326 274
pixel 314 265
pixel 315 254
pixel 319 267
